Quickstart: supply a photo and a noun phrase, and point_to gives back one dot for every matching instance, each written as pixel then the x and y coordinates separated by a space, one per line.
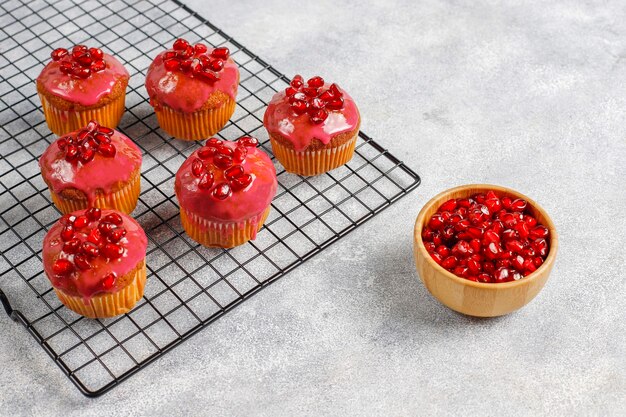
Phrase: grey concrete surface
pixel 527 94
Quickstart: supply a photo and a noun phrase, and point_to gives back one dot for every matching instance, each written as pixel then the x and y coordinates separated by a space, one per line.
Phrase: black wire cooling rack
pixel 189 286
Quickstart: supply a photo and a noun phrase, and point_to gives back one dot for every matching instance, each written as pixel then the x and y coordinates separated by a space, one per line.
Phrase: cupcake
pixel 80 85
pixel 224 190
pixel 93 167
pixel 192 89
pixel 313 126
pixel 96 262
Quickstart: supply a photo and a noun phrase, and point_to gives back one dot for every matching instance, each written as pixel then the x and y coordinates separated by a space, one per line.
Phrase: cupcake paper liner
pixel 124 200
pixel 221 234
pixel 62 122
pixel 316 161
pixel 109 304
pixel 197 125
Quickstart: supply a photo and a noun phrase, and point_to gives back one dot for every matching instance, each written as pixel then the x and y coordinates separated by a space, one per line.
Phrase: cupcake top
pixel 189 77
pixel 82 75
pixel 87 252
pixel 90 159
pixel 311 110
pixel 227 181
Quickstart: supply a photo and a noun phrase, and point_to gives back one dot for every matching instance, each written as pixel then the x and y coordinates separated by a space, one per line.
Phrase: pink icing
pixel 86 92
pixel 100 173
pixel 186 93
pixel 88 283
pixel 280 119
pixel 241 205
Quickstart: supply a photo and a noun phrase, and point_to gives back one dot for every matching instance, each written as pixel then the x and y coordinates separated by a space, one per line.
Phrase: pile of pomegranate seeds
pixel 313 98
pixel 194 60
pixel 81 62
pixel 485 238
pixel 83 145
pixel 87 237
pixel 215 155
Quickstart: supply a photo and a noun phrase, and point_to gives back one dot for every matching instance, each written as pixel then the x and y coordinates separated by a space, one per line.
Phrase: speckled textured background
pixel 530 96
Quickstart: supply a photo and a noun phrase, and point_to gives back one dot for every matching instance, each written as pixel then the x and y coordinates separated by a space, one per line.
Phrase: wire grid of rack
pixel 189 286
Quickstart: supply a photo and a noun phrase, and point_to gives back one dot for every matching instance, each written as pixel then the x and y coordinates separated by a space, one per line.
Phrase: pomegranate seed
pixel 514 246
pixel 518 205
pixel 326 96
pixel 493 251
pixel 462 225
pixel 310 91
pixel 538 261
pixel 108 281
pixel 222 161
pixel 484 277
pixel 233 172
pixel 222 191
pixel 71 246
pixel 116 234
pixel 206 152
pixel 502 275
pixel 518 262
pixel 216 65
pixel 529 266
pixel 448 233
pixel 221 52
pixel 62 267
pixel 319 116
pixel 449 205
pixel 62 143
pixel 84 60
pixel 241 182
pixel 316 82
pixel 172 65
pixel 113 218
pixel 491 236
pixel 248 141
pixel 225 150
pixel 89 249
pixel 197 167
pixel 105 228
pixel 67 233
pixel 474 266
pixel 112 251
pixel 541 247
pixel 436 222
pixel 297 81
pixel 82 72
pixel 300 107
pixel 186 65
pixel 442 250
pixel 214 142
pixel 335 104
pixel 316 104
pixel 334 90
pixel 94 237
pixel 107 149
pixel 538 232
pixel 522 229
pixel 180 44
pixel 430 246
pixel 475 245
pixel 450 262
pixel 81 262
pixel 290 91
pixel 58 54
pixel 437 258
pixel 206 181
pixel 299 96
pixel 239 154
pixel 210 76
pixel 80 222
pixel 461 271
pixel 462 248
pixel 87 155
pixel 200 48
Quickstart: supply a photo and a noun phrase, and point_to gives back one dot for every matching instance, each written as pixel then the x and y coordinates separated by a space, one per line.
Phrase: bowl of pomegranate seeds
pixel 484 250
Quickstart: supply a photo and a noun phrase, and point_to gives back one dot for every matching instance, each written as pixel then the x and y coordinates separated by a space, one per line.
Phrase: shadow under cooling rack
pixel 189 286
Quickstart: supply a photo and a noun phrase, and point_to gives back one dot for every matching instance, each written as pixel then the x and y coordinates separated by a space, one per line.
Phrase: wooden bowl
pixel 478 298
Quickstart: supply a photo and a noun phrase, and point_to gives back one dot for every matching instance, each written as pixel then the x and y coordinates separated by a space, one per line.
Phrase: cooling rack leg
pixel 7 305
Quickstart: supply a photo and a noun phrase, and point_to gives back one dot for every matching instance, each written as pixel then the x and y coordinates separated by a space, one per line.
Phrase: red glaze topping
pixel 311 110
pixel 86 251
pixel 81 75
pixel 226 181
pixel 486 238
pixel 95 157
pixel 185 76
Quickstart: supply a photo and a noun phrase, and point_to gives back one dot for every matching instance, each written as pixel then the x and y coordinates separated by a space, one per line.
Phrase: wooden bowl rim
pixel 554 241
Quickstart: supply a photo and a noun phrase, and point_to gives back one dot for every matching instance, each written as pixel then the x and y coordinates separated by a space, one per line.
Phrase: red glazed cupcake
pixel 224 190
pixel 79 85
pixel 93 167
pixel 95 260
pixel 192 89
pixel 313 126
